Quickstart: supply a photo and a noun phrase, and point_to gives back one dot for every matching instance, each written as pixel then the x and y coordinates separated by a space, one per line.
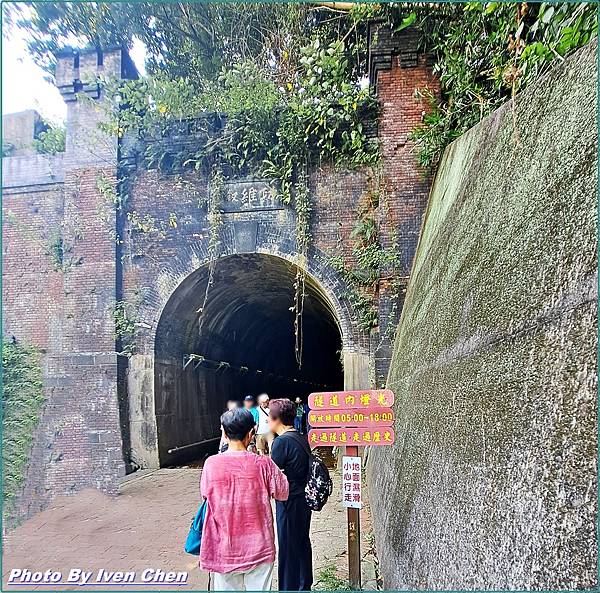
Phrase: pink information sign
pixel 345 400
pixel 344 437
pixel 368 417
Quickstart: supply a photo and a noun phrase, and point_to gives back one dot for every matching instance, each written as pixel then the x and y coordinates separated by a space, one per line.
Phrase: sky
pixel 24 84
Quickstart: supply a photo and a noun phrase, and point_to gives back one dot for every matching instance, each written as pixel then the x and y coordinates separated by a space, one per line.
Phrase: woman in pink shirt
pixel 238 541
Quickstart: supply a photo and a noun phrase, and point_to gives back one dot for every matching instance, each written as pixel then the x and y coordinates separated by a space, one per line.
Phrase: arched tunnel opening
pixel 235 339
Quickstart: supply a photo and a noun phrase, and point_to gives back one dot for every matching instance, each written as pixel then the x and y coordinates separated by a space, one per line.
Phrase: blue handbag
pixel 192 543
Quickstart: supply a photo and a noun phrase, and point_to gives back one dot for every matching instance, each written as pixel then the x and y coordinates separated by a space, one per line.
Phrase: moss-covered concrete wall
pixel 492 480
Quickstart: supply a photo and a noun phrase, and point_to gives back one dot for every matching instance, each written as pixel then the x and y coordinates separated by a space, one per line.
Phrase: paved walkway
pixel 145 528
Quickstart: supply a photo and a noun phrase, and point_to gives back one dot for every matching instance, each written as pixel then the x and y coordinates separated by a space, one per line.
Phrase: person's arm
pixel 279 487
pixel 204 480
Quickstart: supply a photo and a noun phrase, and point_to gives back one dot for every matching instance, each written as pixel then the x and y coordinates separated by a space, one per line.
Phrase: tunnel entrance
pixel 241 342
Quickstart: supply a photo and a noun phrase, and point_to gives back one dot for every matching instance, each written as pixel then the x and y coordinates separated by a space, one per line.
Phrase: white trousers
pixel 256 579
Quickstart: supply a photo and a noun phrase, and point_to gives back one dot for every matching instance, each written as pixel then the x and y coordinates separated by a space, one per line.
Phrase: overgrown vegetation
pixel 370 260
pixel 273 90
pixel 229 57
pixel 303 209
pixel 125 327
pixel 22 400
pixel 56 250
pixel 245 124
pixel 484 53
pixel 212 201
pixel 50 140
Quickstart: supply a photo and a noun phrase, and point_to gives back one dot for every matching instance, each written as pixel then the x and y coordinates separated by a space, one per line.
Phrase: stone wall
pixel 492 480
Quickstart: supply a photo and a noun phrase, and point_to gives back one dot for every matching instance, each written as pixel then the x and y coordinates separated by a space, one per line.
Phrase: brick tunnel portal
pixel 242 342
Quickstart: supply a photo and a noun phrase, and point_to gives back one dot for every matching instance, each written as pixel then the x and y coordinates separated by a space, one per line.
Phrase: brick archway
pixel 154 378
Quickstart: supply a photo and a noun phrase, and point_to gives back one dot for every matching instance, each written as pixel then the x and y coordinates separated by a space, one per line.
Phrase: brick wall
pixel 98 411
pixel 400 73
pixel 59 287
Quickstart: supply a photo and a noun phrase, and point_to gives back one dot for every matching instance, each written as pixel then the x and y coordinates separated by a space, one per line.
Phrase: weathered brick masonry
pixel 105 412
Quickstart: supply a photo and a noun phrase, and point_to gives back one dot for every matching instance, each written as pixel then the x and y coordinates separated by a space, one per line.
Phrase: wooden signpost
pixel 351 419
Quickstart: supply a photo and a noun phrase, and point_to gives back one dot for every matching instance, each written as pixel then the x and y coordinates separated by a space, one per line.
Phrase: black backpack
pixel 319 484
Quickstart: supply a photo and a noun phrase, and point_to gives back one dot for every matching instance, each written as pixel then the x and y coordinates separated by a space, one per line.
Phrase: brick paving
pixel 143 527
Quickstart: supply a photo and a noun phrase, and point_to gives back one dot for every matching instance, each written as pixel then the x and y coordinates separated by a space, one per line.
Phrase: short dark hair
pixel 284 410
pixel 237 424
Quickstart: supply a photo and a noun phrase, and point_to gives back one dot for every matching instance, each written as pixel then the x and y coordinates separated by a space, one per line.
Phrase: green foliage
pixel 50 141
pixel 330 107
pixel 248 125
pixel 107 190
pixel 22 400
pixel 214 214
pixel 303 209
pixel 56 249
pixel 484 53
pixel 125 327
pixel 213 202
pixel 328 580
pixel 192 40
pixel 370 262
pixel 359 296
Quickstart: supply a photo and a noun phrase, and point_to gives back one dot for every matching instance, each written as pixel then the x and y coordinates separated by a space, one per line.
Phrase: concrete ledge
pixel 34 169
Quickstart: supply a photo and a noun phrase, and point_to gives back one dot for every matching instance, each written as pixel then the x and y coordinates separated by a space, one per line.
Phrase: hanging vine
pixel 303 209
pixel 213 203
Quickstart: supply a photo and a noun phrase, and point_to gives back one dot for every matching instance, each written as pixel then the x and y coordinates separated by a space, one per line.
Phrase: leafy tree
pixel 188 39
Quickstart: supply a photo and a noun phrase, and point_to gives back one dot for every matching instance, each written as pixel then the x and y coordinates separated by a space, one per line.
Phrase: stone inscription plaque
pixel 251 195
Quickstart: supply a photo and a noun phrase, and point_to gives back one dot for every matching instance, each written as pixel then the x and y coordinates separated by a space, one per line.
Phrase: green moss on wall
pixel 22 399
pixel 492 480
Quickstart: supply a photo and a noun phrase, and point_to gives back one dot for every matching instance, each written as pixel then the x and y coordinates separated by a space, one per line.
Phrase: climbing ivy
pixel 125 327
pixel 369 259
pixel 303 210
pixel 22 400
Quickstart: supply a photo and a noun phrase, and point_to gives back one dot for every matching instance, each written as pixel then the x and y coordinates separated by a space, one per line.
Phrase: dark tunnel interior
pixel 244 344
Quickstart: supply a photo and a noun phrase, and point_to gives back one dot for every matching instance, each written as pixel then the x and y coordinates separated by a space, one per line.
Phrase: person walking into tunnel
pixel 238 540
pixel 249 405
pixel 223 444
pixel 300 421
pixel 264 436
pixel 293 515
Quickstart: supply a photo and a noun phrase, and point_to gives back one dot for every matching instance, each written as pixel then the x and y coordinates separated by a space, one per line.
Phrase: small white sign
pixel 351 482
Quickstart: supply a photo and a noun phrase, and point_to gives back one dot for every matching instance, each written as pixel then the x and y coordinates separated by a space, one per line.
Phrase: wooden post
pixel 354 538
pixel 356 376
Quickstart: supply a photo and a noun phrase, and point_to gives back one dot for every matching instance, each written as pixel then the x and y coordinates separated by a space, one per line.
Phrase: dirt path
pixel 142 528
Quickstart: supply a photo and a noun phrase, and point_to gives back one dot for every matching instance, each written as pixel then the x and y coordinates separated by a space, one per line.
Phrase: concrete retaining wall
pixel 492 480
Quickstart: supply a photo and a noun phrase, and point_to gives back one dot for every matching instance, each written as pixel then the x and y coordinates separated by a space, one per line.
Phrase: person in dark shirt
pixel 293 516
pixel 300 422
